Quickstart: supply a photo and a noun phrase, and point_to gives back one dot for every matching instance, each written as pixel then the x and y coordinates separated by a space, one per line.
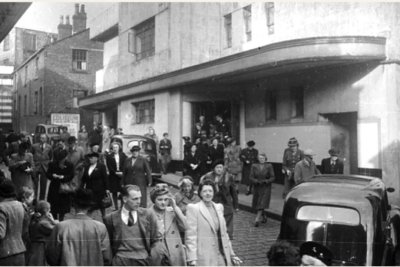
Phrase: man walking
pixel 165 151
pixel 291 155
pixel 305 168
pixel 80 240
pixel 133 230
pixel 137 171
pixel 42 155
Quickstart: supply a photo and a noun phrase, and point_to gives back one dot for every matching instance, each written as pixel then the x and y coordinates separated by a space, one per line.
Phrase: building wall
pixel 58 79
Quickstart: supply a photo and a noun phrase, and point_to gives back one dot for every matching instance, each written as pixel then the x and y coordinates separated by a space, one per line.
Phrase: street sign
pixel 72 121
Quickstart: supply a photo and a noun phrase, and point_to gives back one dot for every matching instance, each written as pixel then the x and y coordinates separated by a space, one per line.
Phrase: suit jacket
pixel 216 153
pixel 96 181
pixel 172 239
pixel 138 174
pixel 202 239
pixel 147 221
pixel 190 159
pixel 327 168
pixel 42 157
pixel 112 164
pixel 79 241
pixel 12 228
pixel 165 147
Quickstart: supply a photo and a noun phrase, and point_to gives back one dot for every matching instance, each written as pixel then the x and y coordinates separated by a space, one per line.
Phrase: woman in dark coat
pixel 115 163
pixel 95 178
pixel 60 171
pixel 261 175
pixel 248 156
pixel 20 166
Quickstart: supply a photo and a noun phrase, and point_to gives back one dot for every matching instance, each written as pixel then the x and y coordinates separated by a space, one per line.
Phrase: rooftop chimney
pixel 79 19
pixel 64 30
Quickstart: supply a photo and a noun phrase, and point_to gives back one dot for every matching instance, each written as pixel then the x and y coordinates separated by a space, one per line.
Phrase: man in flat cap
pixel 333 164
pixel 136 171
pixel 305 168
pixel 315 254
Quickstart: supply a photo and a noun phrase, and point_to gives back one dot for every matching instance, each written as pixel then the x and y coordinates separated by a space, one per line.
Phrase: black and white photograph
pixel 199 133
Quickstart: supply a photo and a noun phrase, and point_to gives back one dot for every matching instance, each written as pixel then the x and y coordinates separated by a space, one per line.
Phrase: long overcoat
pixel 139 174
pixel 113 179
pixel 19 177
pixel 262 175
pixel 202 239
pixel 250 155
pixel 97 181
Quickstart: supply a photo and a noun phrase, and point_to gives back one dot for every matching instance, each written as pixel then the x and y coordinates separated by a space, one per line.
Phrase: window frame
pixel 297 102
pixel 142 39
pixel 140 109
pixel 228 30
pixel 30 42
pixel 6 43
pixel 271 108
pixel 78 60
pixel 247 17
pixel 270 16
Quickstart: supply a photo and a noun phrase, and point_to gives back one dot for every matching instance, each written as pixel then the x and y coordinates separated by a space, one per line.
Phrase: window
pixel 26 76
pixel 142 39
pixel 6 43
pixel 37 66
pixel 29 42
pixel 36 102
pixel 270 13
pixel 25 105
pixel 247 22
pixel 228 29
pixel 41 101
pixel 297 102
pixel 270 105
pixel 144 111
pixel 79 59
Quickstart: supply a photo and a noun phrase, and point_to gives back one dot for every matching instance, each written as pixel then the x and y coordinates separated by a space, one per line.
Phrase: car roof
pixel 131 136
pixel 339 190
pixel 48 125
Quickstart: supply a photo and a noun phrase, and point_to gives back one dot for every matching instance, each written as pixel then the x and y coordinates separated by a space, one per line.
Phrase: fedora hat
pixel 135 148
pixel 218 162
pixel 251 143
pixel 293 142
pixel 93 154
pixel 309 152
pixel 333 152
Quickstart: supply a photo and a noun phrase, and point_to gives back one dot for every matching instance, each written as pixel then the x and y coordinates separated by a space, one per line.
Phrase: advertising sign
pixel 72 121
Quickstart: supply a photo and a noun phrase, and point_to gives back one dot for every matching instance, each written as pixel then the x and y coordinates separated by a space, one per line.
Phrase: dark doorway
pixel 344 138
pixel 227 109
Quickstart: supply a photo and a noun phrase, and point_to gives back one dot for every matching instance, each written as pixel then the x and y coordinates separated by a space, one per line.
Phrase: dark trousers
pixel 14 260
pixel 119 261
pixel 41 176
pixel 229 224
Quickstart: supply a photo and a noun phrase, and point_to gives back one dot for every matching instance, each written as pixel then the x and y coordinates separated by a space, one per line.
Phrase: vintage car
pixel 51 130
pixel 350 215
pixel 148 149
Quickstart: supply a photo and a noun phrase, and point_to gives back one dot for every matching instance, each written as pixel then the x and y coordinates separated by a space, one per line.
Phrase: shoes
pixel 256 224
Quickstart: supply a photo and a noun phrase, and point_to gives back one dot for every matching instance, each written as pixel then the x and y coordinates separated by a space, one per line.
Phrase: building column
pixel 242 125
pixel 175 124
pixel 186 118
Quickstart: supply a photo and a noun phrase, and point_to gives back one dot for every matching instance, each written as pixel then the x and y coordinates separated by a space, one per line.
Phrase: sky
pixel 45 16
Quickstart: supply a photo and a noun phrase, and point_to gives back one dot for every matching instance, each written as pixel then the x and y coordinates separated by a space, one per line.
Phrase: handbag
pixel 107 201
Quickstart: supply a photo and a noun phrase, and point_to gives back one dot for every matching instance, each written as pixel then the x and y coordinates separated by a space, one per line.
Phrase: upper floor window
pixel 79 59
pixel 142 39
pixel 26 75
pixel 6 43
pixel 228 29
pixel 29 40
pixel 143 111
pixel 36 102
pixel 247 22
pixel 297 102
pixel 270 13
pixel 36 66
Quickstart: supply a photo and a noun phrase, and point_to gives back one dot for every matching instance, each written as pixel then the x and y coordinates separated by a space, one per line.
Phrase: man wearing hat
pixel 76 153
pixel 315 254
pixel 165 151
pixel 291 156
pixel 305 168
pixel 12 226
pixel 137 171
pixel 248 156
pixel 80 240
pixel 333 164
pixel 225 192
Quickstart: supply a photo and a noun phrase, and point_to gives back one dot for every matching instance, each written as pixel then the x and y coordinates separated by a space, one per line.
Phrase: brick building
pixel 53 78
pixel 325 73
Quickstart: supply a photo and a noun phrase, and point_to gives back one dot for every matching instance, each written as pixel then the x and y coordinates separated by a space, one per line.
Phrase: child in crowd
pixel 42 223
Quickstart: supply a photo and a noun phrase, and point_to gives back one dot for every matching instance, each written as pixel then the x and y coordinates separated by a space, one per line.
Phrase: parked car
pixel 148 149
pixel 51 130
pixel 350 215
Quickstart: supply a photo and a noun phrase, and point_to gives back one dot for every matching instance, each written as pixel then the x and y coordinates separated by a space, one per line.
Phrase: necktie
pixel 130 219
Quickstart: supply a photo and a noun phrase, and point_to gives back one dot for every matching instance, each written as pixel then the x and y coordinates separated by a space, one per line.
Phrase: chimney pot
pixel 67 20
pixel 76 8
pixel 82 8
pixel 61 20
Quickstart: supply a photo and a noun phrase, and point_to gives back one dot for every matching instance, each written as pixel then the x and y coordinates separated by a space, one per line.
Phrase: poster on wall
pixel 72 121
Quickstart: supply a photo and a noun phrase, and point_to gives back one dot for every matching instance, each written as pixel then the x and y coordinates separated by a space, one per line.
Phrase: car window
pixel 329 214
pixel 53 130
pixel 37 129
pixel 146 146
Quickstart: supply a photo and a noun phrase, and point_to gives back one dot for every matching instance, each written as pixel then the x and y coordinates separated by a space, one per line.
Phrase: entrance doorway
pixel 344 138
pixel 229 111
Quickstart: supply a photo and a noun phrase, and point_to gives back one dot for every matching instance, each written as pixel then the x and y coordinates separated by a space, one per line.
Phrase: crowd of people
pixel 47 207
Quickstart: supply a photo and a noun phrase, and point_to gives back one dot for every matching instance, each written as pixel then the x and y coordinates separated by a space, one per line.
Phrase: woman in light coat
pixel 206 234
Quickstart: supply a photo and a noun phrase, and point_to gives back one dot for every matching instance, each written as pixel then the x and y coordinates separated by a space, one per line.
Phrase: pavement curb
pixel 270 213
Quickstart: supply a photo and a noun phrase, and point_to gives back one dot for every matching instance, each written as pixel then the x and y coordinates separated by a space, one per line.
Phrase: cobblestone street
pixel 252 243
